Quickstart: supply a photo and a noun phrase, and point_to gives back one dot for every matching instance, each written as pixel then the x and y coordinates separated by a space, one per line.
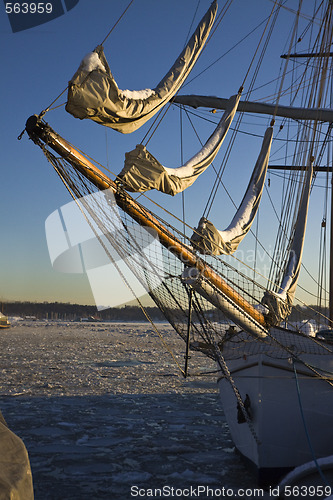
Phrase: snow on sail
pixel 93 92
pixel 279 303
pixel 143 172
pixel 209 240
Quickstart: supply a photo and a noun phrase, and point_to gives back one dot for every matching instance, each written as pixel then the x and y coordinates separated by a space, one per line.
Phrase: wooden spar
pixel 200 101
pixel 300 168
pixel 307 55
pixel 40 130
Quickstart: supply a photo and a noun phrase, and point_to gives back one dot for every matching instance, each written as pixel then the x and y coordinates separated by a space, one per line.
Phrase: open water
pixel 105 414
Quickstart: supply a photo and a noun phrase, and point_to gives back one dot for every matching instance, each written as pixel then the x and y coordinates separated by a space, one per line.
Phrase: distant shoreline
pixel 77 312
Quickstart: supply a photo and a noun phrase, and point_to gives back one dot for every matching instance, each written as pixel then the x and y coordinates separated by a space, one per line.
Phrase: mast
pixel 323 169
pixel 330 170
pixel 295 113
pixel 235 306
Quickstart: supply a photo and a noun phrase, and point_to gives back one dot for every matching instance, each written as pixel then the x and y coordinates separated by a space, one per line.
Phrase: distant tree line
pixel 71 312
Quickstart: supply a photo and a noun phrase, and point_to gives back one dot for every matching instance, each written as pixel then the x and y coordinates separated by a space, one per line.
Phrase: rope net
pixel 161 273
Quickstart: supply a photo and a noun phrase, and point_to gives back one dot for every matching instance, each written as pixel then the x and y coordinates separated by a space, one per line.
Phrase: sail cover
pixel 15 470
pixel 279 303
pixel 143 172
pixel 209 240
pixel 93 92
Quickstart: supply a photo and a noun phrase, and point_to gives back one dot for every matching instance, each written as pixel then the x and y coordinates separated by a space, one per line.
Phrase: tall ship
pixel 237 284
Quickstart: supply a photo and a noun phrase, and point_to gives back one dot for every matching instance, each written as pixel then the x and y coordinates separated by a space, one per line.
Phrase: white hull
pixel 276 412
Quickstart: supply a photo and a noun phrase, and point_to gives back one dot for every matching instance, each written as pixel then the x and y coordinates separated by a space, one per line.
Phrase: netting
pixel 162 272
pixel 280 344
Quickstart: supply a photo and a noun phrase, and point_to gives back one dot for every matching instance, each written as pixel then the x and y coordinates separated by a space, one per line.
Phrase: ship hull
pixel 286 412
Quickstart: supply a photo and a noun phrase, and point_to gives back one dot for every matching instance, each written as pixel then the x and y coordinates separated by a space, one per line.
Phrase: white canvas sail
pixel 93 92
pixel 143 172
pixel 279 303
pixel 209 240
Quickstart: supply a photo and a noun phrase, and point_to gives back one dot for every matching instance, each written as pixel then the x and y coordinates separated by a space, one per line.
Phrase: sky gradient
pixel 37 64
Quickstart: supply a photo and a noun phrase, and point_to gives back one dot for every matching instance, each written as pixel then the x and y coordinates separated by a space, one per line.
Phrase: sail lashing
pixel 93 92
pixel 207 290
pixel 279 303
pixel 143 172
pixel 206 239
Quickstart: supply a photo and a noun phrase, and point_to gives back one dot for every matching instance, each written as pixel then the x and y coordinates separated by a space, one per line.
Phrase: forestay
pixel 209 240
pixel 93 92
pixel 143 172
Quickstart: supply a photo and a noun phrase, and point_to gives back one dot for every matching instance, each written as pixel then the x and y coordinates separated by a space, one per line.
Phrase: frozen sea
pixel 105 413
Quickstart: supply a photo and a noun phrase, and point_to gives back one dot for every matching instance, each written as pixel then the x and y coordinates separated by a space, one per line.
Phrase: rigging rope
pixel 231 49
pixel 192 22
pixel 242 263
pixel 115 24
pixel 257 241
pixel 217 181
pixel 76 196
pixel 43 112
pixel 216 24
pixel 208 327
pixel 226 372
pixel 182 163
pixel 306 428
pixel 260 41
pixel 314 98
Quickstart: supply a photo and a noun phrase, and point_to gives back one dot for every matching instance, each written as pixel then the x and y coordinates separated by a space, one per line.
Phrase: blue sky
pixel 36 66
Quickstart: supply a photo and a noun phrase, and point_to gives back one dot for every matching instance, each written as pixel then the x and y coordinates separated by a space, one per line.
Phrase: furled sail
pixel 93 92
pixel 209 240
pixel 279 303
pixel 143 172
